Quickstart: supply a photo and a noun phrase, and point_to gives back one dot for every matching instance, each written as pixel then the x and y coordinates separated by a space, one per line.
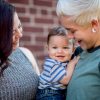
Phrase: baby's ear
pixel 47 48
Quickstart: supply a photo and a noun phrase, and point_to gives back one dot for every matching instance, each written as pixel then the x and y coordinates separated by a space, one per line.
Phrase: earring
pixel 93 30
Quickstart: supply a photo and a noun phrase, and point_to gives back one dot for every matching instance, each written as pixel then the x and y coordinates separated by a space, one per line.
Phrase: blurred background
pixel 38 17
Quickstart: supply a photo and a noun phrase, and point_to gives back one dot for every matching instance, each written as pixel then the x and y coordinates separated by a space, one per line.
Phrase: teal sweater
pixel 85 82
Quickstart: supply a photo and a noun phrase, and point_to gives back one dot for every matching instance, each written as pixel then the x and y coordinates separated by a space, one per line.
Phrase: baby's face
pixel 58 48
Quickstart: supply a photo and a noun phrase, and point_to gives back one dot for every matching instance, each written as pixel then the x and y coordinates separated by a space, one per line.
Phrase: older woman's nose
pixel 70 36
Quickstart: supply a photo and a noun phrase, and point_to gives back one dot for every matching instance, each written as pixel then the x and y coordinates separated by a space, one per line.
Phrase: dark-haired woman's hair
pixel 56 31
pixel 6 33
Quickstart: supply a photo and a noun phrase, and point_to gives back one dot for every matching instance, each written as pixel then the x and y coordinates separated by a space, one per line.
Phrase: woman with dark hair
pixel 18 78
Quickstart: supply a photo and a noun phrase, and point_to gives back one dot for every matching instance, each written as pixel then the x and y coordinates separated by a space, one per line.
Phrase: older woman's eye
pixel 73 31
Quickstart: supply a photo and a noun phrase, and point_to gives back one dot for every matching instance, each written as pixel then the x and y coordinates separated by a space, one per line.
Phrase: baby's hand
pixel 74 61
pixel 70 68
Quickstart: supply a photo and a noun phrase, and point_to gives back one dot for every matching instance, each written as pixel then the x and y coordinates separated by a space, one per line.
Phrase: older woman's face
pixel 84 36
pixel 17 31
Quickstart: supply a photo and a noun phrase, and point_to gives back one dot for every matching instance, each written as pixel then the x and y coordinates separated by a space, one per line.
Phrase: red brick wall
pixel 38 17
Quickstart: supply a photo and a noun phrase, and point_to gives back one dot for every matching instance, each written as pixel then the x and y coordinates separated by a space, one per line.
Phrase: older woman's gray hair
pixel 82 11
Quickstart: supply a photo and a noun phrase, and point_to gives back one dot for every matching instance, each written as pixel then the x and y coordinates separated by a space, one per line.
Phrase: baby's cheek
pixel 69 54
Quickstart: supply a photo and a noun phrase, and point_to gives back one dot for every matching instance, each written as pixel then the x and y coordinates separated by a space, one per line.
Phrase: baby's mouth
pixel 60 56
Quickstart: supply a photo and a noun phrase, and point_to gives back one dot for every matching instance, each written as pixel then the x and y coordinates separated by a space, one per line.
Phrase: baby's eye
pixel 55 47
pixel 64 47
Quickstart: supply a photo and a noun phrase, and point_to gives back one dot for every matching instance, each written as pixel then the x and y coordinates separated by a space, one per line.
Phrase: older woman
pixel 81 18
pixel 18 78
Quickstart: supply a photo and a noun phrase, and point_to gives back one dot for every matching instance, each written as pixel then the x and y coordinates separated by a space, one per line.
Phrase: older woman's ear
pixel 94 25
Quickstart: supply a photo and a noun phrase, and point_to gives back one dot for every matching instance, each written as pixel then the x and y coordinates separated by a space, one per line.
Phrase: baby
pixel 58 68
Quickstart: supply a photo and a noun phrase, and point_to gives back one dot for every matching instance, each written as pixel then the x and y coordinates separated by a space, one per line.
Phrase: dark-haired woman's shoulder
pixel 77 51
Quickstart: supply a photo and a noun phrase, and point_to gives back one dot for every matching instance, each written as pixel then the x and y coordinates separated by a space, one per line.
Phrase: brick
pixel 20 10
pixel 34 48
pixel 44 12
pixel 26 38
pixel 19 1
pixel 41 20
pixel 43 3
pixel 41 57
pixel 41 68
pixel 32 11
pixel 59 22
pixel 39 30
pixel 54 13
pixel 49 29
pixel 32 29
pixel 41 39
pixel 24 19
pixel 54 3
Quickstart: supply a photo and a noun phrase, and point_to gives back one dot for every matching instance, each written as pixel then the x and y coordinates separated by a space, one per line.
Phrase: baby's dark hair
pixel 56 31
